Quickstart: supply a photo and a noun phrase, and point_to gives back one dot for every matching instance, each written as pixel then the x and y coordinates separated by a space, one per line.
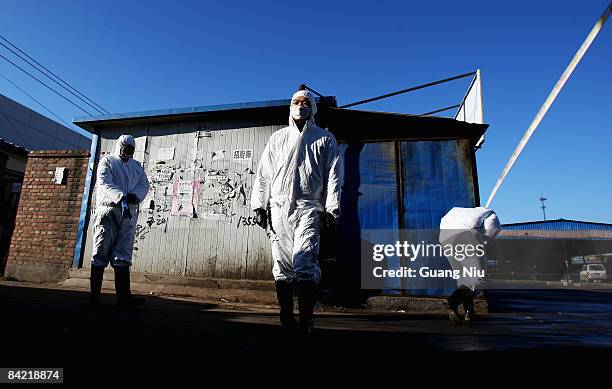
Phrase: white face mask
pixel 299 112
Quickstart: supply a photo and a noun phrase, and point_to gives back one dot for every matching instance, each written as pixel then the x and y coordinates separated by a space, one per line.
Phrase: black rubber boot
pixel 307 298
pixel 122 287
pixel 468 305
pixel 284 294
pixel 454 300
pixel 95 286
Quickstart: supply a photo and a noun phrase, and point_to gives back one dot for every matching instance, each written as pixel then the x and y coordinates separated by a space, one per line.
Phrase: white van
pixel 593 273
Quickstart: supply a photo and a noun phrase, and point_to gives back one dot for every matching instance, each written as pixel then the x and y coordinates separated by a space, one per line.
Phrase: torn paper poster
pixel 218 155
pixel 185 187
pixel 60 173
pixel 162 175
pixel 165 153
pixel 184 198
pixel 215 176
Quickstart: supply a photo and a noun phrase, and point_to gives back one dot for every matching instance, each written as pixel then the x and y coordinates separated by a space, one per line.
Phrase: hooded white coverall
pixel 113 236
pixel 299 176
pixel 472 226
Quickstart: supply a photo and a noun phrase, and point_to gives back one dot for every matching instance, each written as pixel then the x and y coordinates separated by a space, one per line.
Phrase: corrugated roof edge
pixel 84 120
pixel 555 221
pixel 12 147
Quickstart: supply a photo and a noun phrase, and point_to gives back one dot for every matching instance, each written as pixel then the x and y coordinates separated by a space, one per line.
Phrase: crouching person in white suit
pixel 467 226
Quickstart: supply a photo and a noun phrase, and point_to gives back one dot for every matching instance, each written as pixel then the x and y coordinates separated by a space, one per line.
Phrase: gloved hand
pixel 261 218
pixel 132 199
pixel 329 222
pixel 125 209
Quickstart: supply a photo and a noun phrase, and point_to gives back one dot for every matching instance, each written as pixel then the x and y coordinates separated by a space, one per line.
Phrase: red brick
pixel 48 214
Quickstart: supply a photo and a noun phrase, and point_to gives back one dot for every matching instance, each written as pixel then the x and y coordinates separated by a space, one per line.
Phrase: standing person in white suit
pixel 121 184
pixel 299 180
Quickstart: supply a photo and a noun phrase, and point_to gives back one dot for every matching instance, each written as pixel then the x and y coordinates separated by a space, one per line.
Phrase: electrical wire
pixel 33 98
pixel 47 86
pixel 83 98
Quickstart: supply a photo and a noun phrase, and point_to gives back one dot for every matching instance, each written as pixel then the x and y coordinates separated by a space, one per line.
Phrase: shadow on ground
pixel 56 327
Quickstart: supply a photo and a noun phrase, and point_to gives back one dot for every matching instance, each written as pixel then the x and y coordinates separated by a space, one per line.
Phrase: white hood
pixel 124 140
pixel 313 107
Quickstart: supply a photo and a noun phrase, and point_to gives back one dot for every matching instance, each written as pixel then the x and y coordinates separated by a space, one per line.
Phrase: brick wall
pixel 45 232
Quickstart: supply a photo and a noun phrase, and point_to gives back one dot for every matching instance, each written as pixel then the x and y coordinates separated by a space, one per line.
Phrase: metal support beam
pixel 304 86
pixel 551 99
pixel 408 90
pixel 84 215
pixel 441 110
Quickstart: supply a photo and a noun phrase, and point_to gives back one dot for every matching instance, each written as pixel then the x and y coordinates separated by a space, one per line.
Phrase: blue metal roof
pixel 188 110
pixel 558 225
pixel 181 111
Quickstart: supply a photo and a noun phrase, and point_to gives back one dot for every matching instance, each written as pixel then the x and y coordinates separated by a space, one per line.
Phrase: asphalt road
pixel 42 326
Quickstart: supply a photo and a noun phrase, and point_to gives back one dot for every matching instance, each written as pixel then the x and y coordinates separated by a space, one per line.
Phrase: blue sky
pixel 137 55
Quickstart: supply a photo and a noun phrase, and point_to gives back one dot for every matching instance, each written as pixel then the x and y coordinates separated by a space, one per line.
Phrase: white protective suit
pixel 113 236
pixel 472 226
pixel 299 176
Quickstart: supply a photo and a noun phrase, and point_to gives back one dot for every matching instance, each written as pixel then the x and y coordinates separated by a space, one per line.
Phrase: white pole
pixel 550 99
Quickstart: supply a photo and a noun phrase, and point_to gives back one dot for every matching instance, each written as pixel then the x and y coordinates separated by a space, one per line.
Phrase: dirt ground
pixel 52 326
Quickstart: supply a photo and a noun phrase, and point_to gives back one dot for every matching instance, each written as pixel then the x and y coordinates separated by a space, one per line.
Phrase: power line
pixel 52 79
pixel 83 98
pixel 47 86
pixel 33 98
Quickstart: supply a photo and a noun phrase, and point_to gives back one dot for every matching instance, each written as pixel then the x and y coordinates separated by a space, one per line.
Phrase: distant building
pixel 548 249
pixel 26 128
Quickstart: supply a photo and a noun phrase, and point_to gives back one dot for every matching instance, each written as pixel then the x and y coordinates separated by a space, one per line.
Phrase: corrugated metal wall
pixel 369 202
pixel 435 176
pixel 221 240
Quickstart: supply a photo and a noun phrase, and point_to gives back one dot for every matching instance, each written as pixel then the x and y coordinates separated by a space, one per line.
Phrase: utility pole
pixel 542 199
pixel 550 99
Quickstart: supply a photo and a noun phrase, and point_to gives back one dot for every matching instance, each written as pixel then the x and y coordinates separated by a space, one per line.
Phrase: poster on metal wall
pixel 184 197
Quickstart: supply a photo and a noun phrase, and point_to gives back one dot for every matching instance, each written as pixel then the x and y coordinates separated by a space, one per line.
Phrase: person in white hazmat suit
pixel 297 190
pixel 121 184
pixel 467 226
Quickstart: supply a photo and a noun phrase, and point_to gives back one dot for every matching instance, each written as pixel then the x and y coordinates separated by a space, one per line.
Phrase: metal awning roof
pixel 346 124
pixel 91 123
pixel 356 125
